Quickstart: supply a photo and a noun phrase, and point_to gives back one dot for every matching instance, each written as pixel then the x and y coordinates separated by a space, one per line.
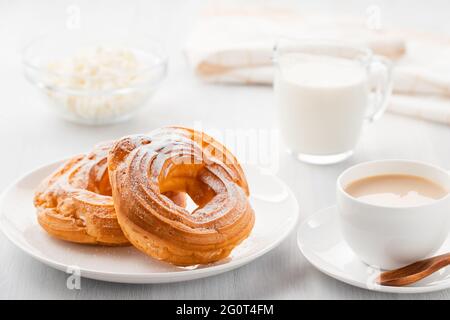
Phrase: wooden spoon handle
pixel 413 272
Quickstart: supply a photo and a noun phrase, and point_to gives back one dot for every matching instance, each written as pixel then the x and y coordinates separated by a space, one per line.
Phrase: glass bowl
pixel 95 77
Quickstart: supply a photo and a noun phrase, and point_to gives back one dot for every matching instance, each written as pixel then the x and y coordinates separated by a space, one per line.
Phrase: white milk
pixel 321 103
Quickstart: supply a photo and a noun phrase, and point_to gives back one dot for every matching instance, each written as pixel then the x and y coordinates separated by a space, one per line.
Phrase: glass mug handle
pixel 380 86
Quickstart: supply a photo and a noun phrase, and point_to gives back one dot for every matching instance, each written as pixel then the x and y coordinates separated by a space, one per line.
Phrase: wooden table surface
pixel 31 136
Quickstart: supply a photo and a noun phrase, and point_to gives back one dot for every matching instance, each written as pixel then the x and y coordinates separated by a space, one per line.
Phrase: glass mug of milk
pixel 325 91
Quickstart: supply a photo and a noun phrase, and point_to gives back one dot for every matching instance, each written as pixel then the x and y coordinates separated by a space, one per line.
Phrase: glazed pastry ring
pixel 144 169
pixel 74 203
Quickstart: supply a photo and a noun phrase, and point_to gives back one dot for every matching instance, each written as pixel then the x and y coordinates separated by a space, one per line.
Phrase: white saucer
pixel 321 242
pixel 275 207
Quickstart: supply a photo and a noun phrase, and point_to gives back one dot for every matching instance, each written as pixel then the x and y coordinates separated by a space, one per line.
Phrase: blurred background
pixel 23 114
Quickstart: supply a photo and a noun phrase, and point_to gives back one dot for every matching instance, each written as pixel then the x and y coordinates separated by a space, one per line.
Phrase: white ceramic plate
pixel 321 242
pixel 275 207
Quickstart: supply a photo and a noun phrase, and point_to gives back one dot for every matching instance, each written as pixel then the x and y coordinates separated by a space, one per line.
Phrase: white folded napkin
pixel 429 108
pixel 234 45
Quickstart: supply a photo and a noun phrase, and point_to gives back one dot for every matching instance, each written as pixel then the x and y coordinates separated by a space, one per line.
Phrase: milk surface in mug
pixel 321 102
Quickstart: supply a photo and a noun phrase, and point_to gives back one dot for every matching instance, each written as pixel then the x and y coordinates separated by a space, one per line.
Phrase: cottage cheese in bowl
pixel 96 84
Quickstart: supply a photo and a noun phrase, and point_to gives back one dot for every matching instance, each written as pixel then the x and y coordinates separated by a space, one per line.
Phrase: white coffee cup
pixel 324 92
pixel 392 237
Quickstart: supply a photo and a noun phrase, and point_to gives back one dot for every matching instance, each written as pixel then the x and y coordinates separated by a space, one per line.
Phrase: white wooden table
pixel 31 136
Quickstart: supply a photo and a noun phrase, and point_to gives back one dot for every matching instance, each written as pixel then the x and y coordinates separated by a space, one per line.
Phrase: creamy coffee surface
pixel 398 190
